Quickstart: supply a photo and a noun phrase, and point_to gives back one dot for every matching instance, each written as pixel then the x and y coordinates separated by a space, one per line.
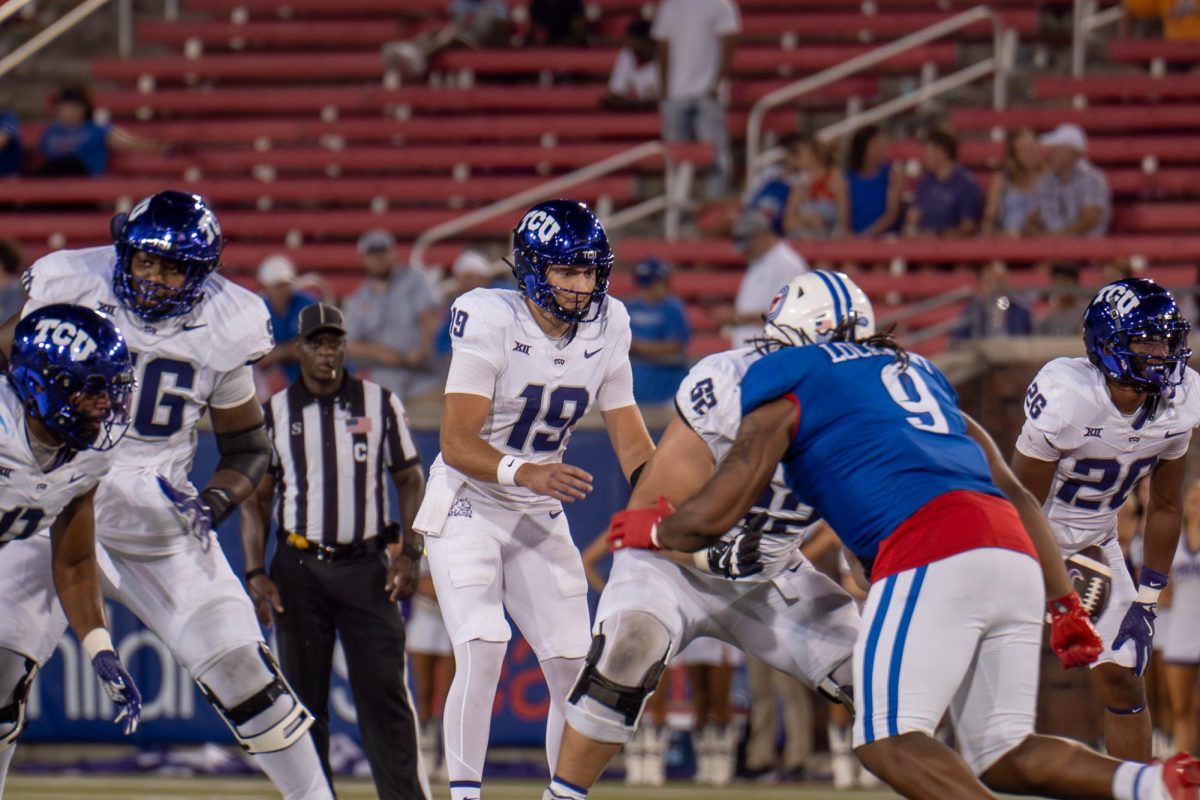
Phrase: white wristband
pixel 1147 595
pixel 506 470
pixel 96 642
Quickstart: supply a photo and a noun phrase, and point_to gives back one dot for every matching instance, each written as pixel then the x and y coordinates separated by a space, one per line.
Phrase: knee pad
pixel 16 671
pixel 267 720
pixel 836 686
pixel 618 676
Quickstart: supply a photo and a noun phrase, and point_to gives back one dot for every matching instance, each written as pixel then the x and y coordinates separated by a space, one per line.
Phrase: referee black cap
pixel 320 317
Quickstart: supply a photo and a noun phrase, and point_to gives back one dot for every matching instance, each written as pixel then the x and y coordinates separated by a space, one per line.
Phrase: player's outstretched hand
pixel 194 515
pixel 560 481
pixel 637 527
pixel 1073 637
pixel 266 598
pixel 120 687
pixel 740 556
pixel 1138 627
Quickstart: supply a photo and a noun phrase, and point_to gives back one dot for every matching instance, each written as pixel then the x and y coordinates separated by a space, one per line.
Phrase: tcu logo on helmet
pixel 1121 298
pixel 545 226
pixel 59 332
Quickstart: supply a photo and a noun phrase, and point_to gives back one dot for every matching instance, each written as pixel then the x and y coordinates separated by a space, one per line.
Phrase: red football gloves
pixel 638 527
pixel 1072 635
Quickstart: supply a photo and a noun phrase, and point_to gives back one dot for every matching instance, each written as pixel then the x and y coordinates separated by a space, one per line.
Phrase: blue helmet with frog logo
pixel 1133 312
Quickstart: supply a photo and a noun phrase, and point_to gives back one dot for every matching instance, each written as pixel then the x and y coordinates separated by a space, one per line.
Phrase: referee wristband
pixel 506 470
pixel 254 573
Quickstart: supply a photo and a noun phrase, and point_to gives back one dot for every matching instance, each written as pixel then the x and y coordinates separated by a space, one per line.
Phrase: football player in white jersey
pixel 1094 428
pixel 526 366
pixel 780 608
pixel 64 404
pixel 193 336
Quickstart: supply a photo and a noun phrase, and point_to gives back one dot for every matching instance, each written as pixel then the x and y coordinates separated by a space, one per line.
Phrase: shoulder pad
pixel 71 276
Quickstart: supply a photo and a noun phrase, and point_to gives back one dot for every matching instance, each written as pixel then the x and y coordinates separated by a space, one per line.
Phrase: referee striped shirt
pixel 330 456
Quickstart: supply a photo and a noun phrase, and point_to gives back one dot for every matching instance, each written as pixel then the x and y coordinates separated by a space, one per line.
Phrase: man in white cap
pixel 277 277
pixel 1072 197
pixel 770 263
pixel 392 319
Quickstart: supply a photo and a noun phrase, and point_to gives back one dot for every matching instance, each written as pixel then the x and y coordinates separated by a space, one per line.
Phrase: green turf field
pixel 106 787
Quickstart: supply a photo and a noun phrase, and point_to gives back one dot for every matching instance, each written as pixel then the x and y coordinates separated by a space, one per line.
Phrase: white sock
pixel 296 771
pixel 839 740
pixel 561 790
pixel 6 757
pixel 1135 781
pixel 467 718
pixel 560 675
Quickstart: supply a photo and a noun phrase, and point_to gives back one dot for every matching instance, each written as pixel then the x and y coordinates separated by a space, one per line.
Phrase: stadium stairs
pixel 289 118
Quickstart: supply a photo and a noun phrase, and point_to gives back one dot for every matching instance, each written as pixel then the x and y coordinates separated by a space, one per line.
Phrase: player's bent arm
pixel 256 523
pixel 761 443
pixel 245 455
pixel 1034 474
pixel 1164 514
pixel 410 488
pixel 630 439
pixel 76 574
pixel 1054 571
pixel 463 417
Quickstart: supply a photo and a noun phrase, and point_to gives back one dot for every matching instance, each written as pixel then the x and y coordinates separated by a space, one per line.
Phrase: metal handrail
pixel 1085 18
pixel 47 35
pixel 674 196
pixel 1004 46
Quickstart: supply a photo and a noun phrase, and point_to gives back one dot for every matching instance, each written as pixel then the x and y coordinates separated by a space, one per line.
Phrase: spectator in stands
pixel 1072 198
pixel 12 293
pixel 817 191
pixel 874 188
pixel 1180 18
pixel 1065 317
pixel 277 277
pixel 75 144
pixel 10 144
pixel 995 311
pixel 634 79
pixel 696 39
pixel 481 21
pixel 947 203
pixel 392 319
pixel 771 263
pixel 1116 270
pixel 660 328
pixel 1010 195
pixel 558 22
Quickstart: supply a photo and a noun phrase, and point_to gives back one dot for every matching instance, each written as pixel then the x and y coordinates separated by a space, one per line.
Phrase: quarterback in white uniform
pixel 1094 428
pixel 754 589
pixel 64 405
pixel 193 335
pixel 526 366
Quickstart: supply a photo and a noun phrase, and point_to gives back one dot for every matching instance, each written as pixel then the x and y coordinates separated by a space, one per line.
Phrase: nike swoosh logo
pixel 189 327
pixel 555 514
pixel 586 354
pixel 1169 435
pixel 76 478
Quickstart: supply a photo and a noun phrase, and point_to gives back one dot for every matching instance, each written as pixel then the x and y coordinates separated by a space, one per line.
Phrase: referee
pixel 340 566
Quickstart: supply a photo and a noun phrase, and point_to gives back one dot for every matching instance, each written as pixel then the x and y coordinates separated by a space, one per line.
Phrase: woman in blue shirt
pixel 874 186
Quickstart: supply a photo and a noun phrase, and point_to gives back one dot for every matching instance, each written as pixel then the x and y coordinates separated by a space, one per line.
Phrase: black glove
pixel 739 557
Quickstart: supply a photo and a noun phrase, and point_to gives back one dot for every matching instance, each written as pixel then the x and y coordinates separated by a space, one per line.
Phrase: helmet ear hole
pixel 116 224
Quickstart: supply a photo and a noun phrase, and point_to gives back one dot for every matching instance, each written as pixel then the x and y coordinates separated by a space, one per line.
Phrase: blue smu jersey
pixel 874 442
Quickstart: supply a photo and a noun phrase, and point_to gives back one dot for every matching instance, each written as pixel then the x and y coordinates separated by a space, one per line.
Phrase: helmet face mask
pixel 74 375
pixel 560 234
pixel 1136 335
pixel 182 231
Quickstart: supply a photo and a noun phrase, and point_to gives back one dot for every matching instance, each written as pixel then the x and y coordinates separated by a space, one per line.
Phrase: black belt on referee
pixel 335 552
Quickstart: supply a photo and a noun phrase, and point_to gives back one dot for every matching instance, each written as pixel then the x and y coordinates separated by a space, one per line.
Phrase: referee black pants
pixel 324 599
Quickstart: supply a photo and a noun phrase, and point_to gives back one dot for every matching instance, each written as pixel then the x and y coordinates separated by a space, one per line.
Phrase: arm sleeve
pixel 232 388
pixel 1044 435
pixel 616 391
pixel 269 424
pixel 708 400
pixel 399 449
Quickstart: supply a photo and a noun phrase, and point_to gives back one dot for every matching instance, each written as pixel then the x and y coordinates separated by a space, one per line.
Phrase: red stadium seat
pixel 331 34
pixel 1132 51
pixel 814 24
pixel 1095 119
pixel 1116 87
pixel 324 8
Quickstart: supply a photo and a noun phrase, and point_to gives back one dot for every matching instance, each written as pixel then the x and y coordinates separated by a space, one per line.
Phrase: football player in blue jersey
pixel 872 437
pixel 64 405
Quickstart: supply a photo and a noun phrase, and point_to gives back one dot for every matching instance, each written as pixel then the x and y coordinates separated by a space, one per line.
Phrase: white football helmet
pixel 819 306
